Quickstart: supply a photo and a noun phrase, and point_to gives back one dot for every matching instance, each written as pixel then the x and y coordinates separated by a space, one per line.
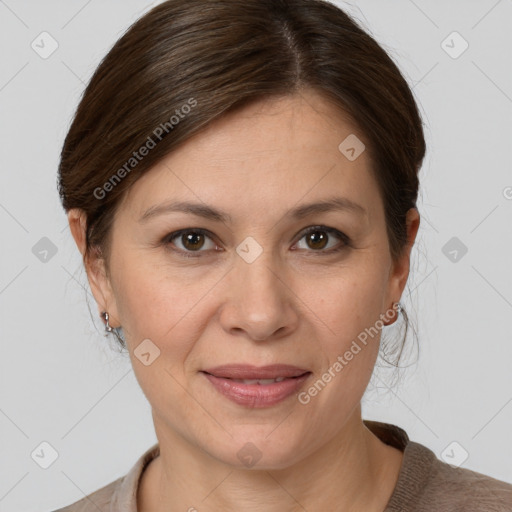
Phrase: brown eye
pixel 190 240
pixel 323 239
pixel 316 239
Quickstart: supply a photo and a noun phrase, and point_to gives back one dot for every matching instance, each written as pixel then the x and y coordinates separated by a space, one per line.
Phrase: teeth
pixel 262 382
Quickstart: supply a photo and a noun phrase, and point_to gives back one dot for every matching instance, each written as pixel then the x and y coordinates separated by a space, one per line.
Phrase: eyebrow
pixel 207 212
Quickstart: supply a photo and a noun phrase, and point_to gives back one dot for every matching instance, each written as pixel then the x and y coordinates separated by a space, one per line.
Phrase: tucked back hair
pixel 218 56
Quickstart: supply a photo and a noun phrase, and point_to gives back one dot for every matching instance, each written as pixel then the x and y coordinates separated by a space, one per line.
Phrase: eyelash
pixel 167 240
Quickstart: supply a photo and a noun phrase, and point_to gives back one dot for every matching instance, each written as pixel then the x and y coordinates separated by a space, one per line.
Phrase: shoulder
pixel 98 501
pixel 470 490
pixel 426 483
pixel 443 487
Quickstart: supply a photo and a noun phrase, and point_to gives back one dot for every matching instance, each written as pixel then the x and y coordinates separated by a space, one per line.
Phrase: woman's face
pixel 253 287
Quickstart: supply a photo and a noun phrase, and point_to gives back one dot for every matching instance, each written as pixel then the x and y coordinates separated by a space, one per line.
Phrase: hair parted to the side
pixel 216 56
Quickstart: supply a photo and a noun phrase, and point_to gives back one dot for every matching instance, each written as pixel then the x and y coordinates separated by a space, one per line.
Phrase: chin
pixel 258 449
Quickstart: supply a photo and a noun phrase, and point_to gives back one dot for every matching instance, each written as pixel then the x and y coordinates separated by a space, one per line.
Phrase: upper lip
pixel 247 371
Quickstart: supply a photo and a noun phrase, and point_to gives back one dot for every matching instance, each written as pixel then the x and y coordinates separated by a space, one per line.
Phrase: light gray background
pixel 60 380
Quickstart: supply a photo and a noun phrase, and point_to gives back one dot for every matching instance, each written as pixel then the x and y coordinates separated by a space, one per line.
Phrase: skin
pixel 295 304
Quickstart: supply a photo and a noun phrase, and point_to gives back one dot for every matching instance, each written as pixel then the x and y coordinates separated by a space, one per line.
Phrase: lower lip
pixel 257 395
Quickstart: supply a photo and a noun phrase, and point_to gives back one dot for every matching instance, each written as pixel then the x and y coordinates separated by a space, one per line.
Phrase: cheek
pixel 155 301
pixel 170 310
pixel 348 308
pixel 349 346
pixel 347 304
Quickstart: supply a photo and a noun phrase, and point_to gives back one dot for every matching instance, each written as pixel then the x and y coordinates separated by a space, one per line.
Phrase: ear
pixel 400 269
pixel 95 267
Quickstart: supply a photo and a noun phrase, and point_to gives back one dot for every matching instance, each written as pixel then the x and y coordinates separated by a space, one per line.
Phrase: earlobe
pixel 94 267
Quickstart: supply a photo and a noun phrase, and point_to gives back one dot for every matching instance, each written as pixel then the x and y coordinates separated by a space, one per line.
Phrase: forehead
pixel 275 126
pixel 273 151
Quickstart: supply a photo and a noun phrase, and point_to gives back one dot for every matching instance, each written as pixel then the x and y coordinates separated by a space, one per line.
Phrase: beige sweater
pixel 425 483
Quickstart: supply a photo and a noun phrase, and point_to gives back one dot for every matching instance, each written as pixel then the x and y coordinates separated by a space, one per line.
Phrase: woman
pixel 241 179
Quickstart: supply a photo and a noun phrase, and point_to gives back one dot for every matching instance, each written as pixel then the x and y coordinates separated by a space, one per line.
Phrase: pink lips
pixel 228 380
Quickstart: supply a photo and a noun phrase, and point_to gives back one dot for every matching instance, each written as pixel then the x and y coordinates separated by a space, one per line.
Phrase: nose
pixel 260 302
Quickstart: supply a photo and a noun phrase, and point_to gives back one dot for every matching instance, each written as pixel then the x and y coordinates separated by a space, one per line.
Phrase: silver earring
pixel 116 330
pixel 105 316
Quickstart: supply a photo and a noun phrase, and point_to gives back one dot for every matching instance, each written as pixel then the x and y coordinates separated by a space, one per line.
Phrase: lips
pixel 249 372
pixel 253 386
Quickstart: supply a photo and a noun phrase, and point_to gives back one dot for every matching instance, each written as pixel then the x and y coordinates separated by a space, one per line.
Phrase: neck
pixel 352 471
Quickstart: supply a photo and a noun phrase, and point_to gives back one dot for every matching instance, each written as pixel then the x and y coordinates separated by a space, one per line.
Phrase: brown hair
pixel 185 63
